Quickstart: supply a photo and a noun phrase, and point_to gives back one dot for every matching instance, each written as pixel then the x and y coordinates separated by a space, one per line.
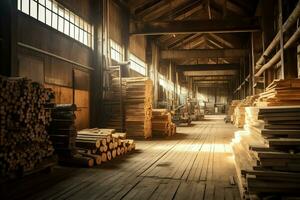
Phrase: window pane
pixel 67 24
pixel 61 11
pixel 76 33
pixel 85 40
pixel 67 15
pixel 48 17
pixel 60 24
pixel 33 9
pixel 54 20
pixel 81 35
pixel 76 20
pixel 42 2
pixel 71 17
pixel 41 13
pixel 19 4
pixel 25 6
pixel 49 4
pixel 55 7
pixel 89 40
pixel 72 30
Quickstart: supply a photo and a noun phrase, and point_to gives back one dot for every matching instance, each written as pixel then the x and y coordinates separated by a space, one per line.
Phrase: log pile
pixel 25 115
pixel 162 124
pixel 62 129
pixel 102 145
pixel 281 92
pixel 267 152
pixel 239 111
pixel 138 107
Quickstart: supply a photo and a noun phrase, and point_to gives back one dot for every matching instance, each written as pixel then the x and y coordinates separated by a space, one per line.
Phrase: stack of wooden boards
pixel 62 129
pixel 230 112
pixel 267 153
pixel 138 107
pixel 162 124
pixel 137 94
pixel 239 111
pixel 102 145
pixel 281 92
pixel 25 116
pixel 114 112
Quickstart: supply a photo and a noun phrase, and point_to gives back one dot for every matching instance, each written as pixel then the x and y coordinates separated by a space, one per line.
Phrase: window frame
pixel 60 19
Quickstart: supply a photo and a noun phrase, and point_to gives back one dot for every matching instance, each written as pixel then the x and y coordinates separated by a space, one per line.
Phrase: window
pixel 116 51
pixel 59 18
pixel 137 64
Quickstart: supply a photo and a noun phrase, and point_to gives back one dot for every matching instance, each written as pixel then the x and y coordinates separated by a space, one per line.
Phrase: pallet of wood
pixel 25 116
pixel 102 145
pixel 281 93
pixel 138 107
pixel 162 124
pixel 267 152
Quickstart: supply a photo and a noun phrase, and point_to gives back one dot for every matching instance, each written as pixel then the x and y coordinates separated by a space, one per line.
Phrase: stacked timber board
pixel 267 153
pixel 102 145
pixel 231 108
pixel 114 113
pixel 138 107
pixel 24 112
pixel 162 124
pixel 281 92
pixel 62 129
pixel 239 111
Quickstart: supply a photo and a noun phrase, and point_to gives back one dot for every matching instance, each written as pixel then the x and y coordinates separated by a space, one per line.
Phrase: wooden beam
pixel 210 73
pixel 207 67
pixel 212 78
pixel 195 26
pixel 202 53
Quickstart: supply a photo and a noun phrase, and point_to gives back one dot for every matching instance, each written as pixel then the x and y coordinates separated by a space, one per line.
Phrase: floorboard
pixel 196 163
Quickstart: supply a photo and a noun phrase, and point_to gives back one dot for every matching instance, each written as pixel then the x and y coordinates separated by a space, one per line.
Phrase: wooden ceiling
pixel 218 16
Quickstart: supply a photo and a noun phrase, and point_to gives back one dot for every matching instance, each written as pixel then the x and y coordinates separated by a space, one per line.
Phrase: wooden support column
pixel 97 75
pixel 267 34
pixel 289 55
pixel 8 38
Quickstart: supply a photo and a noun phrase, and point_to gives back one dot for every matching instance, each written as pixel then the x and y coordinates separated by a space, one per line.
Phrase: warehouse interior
pixel 149 99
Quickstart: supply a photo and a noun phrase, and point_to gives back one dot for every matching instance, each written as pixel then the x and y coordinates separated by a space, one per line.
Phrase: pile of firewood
pixel 162 124
pixel 102 145
pixel 24 114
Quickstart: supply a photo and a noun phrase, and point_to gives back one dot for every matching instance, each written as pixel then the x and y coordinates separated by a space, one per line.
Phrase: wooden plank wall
pixel 70 81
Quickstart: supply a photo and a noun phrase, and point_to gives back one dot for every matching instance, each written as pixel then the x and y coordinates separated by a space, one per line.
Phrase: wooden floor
pixel 195 164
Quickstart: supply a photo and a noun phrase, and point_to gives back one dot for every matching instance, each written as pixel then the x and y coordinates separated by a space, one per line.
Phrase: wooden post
pixel 97 75
pixel 281 37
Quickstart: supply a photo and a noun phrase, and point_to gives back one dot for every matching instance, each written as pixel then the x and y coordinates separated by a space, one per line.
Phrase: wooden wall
pixel 58 61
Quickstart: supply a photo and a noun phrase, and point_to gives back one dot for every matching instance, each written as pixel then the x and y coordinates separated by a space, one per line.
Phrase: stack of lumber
pixel 281 92
pixel 239 111
pixel 162 124
pixel 62 129
pixel 102 145
pixel 113 110
pixel 231 108
pixel 267 154
pixel 25 116
pixel 138 107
